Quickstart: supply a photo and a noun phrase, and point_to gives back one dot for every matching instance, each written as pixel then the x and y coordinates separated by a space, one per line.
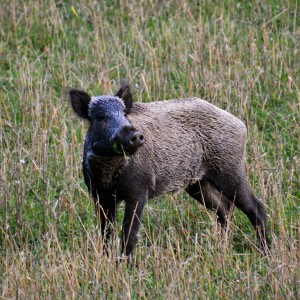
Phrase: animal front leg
pixel 106 212
pixel 131 225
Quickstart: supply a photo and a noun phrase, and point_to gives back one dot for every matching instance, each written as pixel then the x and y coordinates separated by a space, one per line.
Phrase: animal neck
pixel 106 169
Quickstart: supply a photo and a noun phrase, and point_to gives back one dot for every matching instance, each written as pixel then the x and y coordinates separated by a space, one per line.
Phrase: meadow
pixel 243 56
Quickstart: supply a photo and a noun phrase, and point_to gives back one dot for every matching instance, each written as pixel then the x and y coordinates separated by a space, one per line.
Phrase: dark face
pixel 110 132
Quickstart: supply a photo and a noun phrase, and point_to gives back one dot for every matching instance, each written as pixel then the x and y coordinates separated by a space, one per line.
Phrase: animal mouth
pixel 117 147
pixel 123 150
pixel 117 150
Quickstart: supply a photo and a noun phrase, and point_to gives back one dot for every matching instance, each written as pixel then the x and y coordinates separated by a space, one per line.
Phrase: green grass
pixel 242 56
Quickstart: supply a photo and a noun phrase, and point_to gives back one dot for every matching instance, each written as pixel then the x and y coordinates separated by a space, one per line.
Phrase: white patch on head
pixel 96 99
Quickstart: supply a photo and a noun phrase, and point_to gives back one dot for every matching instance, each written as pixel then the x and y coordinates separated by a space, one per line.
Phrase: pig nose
pixel 137 139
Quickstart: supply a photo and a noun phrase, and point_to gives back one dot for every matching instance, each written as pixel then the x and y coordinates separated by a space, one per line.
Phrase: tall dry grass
pixel 243 57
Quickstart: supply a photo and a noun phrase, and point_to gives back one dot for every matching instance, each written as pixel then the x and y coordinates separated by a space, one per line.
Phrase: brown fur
pixel 185 139
pixel 190 145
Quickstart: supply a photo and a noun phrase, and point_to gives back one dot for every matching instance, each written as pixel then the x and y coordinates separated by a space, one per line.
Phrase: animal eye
pixel 125 115
pixel 101 118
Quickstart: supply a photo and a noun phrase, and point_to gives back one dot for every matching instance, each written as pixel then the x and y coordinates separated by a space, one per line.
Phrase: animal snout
pixel 137 139
pixel 129 139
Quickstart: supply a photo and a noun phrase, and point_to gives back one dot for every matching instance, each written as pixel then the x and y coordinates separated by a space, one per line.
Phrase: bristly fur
pixel 105 97
pixel 189 145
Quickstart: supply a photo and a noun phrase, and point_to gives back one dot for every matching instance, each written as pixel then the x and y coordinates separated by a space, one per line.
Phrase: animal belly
pixel 173 182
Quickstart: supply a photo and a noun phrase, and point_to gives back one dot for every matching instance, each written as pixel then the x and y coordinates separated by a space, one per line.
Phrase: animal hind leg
pixel 242 197
pixel 211 198
pixel 255 211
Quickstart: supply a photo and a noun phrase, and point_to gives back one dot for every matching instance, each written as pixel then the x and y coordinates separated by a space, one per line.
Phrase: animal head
pixel 110 132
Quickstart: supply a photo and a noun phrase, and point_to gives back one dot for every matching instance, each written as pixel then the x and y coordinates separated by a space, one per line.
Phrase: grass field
pixel 242 56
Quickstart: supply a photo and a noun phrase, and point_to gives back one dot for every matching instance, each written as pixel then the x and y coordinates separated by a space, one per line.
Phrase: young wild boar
pixel 138 151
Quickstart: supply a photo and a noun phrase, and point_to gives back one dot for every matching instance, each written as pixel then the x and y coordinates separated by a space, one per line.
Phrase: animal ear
pixel 80 101
pixel 125 94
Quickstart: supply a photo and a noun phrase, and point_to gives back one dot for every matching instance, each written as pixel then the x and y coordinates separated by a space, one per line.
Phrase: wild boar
pixel 137 151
